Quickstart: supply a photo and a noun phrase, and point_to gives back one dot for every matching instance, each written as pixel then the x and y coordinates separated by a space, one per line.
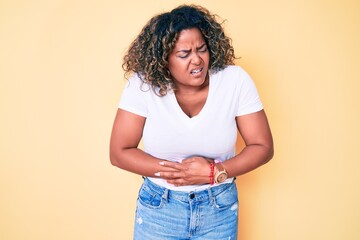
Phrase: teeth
pixel 196 70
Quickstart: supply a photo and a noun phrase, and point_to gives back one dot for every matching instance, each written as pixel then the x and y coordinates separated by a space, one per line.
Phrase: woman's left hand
pixel 193 170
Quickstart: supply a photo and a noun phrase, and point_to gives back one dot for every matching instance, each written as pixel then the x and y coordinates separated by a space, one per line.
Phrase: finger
pixel 174 165
pixel 189 160
pixel 177 182
pixel 169 175
pixel 194 159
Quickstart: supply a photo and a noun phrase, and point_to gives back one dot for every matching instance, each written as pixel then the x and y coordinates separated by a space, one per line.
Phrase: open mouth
pixel 196 71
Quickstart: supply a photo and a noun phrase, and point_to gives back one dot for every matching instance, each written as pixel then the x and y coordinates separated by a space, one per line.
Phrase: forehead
pixel 188 37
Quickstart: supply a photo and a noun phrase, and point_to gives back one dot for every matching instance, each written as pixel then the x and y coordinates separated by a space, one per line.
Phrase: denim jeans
pixel 163 214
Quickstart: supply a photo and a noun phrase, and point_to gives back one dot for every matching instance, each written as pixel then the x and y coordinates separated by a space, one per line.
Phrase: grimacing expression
pixel 188 62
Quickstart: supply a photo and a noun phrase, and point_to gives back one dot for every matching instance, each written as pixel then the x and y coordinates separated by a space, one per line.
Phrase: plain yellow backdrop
pixel 61 80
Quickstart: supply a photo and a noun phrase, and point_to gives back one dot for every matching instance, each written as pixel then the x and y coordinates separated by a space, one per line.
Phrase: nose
pixel 196 59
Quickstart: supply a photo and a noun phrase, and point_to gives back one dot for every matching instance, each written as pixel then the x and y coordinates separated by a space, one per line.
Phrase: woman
pixel 187 101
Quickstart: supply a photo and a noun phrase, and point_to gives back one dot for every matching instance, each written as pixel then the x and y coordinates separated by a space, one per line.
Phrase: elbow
pixel 269 154
pixel 114 158
pixel 116 154
pixel 119 157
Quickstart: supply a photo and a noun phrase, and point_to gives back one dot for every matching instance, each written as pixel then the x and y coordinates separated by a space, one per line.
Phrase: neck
pixel 188 90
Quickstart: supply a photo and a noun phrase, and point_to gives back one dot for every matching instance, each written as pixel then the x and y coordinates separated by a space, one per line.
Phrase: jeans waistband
pixel 203 195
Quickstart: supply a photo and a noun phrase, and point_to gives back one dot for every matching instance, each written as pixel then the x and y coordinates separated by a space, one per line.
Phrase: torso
pixel 169 133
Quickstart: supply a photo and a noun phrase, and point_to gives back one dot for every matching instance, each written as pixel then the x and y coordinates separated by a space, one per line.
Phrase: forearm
pixel 259 148
pixel 136 161
pixel 125 137
pixel 250 158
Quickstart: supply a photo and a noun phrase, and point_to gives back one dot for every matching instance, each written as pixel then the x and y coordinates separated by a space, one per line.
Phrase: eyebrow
pixel 189 50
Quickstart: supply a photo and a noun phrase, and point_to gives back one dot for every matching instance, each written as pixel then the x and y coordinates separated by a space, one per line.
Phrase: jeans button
pixel 192 195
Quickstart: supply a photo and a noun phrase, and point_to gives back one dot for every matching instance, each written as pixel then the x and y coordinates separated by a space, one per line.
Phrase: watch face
pixel 221 177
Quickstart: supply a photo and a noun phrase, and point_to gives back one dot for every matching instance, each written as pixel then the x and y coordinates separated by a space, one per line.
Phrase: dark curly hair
pixel 148 53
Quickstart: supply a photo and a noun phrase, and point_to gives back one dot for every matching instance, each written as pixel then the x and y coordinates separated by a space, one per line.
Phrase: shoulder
pixel 232 74
pixel 135 81
pixel 136 84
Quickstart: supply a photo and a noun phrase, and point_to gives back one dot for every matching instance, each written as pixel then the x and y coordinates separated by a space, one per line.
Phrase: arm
pixel 124 153
pixel 254 129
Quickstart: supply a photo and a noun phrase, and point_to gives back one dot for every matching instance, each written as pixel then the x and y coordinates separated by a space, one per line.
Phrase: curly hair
pixel 148 54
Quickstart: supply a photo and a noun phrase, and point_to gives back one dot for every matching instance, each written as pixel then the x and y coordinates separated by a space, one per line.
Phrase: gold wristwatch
pixel 220 172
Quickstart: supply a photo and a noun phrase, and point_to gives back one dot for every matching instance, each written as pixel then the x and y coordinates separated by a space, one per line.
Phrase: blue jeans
pixel 163 214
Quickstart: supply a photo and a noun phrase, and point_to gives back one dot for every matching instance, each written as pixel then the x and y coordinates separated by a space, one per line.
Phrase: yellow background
pixel 61 79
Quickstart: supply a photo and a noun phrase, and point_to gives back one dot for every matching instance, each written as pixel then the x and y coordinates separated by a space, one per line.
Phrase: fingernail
pixel 157 174
pixel 162 163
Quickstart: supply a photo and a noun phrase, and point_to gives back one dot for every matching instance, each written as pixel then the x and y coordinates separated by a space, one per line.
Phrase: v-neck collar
pixel 202 112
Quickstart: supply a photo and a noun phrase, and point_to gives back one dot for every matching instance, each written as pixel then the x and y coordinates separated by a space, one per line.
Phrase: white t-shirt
pixel 170 134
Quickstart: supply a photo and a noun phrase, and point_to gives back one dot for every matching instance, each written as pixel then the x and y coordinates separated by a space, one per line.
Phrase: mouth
pixel 196 71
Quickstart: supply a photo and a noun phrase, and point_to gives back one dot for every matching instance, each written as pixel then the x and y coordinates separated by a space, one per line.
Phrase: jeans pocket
pixel 227 198
pixel 150 198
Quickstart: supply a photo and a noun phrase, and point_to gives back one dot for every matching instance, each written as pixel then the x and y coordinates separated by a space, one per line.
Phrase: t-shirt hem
pixel 133 110
pixel 191 188
pixel 253 109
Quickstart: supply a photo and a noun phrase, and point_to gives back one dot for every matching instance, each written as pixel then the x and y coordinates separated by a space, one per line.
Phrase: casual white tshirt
pixel 170 134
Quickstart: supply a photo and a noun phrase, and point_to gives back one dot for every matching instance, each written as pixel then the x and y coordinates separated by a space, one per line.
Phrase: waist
pixel 197 195
pixel 189 188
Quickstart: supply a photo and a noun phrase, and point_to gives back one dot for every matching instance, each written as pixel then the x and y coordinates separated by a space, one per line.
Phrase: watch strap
pixel 220 173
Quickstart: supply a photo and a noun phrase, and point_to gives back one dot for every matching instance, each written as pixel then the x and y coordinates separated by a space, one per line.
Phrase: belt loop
pixel 211 197
pixel 165 195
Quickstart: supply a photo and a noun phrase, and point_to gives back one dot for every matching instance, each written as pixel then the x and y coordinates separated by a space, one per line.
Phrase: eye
pixel 203 48
pixel 183 56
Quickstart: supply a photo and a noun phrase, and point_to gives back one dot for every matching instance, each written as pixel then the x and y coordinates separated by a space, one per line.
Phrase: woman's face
pixel 188 62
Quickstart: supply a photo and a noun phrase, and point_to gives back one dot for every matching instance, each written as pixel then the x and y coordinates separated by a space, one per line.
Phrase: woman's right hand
pixel 191 171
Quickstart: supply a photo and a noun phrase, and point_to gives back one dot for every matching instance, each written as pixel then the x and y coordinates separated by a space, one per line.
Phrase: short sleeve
pixel 249 99
pixel 133 98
